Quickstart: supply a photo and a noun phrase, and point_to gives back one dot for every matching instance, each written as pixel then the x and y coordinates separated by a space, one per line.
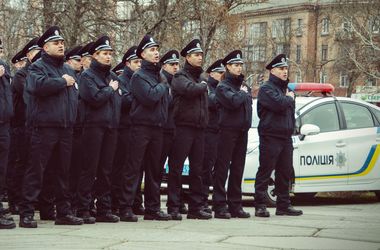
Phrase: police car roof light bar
pixel 308 86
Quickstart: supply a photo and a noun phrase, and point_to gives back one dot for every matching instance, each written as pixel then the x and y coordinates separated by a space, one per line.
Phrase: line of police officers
pixel 82 139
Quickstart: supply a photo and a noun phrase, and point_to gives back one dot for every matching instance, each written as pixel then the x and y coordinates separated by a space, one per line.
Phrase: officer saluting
pixel 52 85
pixel 275 108
pixel 191 117
pixel 215 72
pixel 148 114
pixel 99 90
pixel 235 120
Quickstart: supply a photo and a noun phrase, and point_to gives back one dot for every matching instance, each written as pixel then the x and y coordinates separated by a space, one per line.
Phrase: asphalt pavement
pixel 351 222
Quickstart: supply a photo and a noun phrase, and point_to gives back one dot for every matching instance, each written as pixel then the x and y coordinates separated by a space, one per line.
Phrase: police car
pixel 336 145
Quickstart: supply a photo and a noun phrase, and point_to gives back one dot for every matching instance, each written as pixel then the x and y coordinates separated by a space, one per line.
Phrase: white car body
pixel 346 159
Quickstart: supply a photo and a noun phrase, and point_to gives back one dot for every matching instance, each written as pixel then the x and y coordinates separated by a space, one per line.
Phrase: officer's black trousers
pixel 4 149
pixel 167 146
pixel 230 162
pixel 275 154
pixel 188 142
pixel 144 152
pixel 209 159
pixel 43 142
pixel 119 167
pixel 99 145
pixel 76 164
pixel 18 160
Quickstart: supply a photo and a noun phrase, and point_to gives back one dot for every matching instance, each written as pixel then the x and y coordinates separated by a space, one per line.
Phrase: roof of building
pixel 275 4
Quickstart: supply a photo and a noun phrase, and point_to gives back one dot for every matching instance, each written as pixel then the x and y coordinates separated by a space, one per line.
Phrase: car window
pixel 357 116
pixel 377 113
pixel 324 116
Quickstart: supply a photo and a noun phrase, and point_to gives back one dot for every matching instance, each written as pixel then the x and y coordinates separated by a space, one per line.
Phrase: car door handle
pixel 341 144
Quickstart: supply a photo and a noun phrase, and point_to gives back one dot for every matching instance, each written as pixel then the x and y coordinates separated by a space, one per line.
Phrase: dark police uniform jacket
pixel 125 87
pixel 102 104
pixel 6 105
pixel 235 104
pixel 213 122
pixel 18 84
pixel 150 97
pixel 190 98
pixel 169 126
pixel 275 109
pixel 54 104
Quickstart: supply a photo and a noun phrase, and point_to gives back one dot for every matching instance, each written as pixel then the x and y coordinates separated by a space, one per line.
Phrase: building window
pixel 281 28
pixel 371 81
pixel 299 27
pixel 374 25
pixel 323 77
pixel 259 53
pixel 298 77
pixel 258 30
pixel 324 55
pixel 298 54
pixel 344 82
pixel 249 53
pixel 282 48
pixel 347 26
pixel 325 26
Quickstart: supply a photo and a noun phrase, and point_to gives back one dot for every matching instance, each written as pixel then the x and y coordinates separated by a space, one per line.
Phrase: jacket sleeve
pixel 19 81
pixel 187 88
pixel 230 99
pixel 43 85
pixel 273 100
pixel 212 102
pixel 91 94
pixel 146 94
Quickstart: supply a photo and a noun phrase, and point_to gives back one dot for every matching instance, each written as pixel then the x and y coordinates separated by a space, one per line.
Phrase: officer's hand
pixel 2 70
pixel 244 88
pixel 290 93
pixel 69 80
pixel 114 84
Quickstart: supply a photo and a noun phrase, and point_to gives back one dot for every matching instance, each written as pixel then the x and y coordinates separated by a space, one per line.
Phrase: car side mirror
pixel 309 129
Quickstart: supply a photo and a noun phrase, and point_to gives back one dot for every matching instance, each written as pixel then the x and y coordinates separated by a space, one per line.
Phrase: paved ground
pixel 327 223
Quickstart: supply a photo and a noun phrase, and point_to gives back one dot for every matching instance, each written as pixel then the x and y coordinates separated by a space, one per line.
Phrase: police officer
pixel 275 108
pixel 20 135
pixel 118 69
pixel 148 114
pixel 235 120
pixel 52 85
pixel 191 117
pixel 19 60
pixel 99 90
pixel 215 72
pixel 170 66
pixel 74 59
pixel 85 55
pixel 131 63
pixel 6 112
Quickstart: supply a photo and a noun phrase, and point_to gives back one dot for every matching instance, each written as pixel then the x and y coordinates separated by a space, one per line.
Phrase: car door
pixel 363 150
pixel 322 158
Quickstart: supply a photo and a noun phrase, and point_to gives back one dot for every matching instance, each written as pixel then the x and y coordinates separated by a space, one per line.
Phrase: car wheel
pixel 305 196
pixel 270 194
pixel 378 194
